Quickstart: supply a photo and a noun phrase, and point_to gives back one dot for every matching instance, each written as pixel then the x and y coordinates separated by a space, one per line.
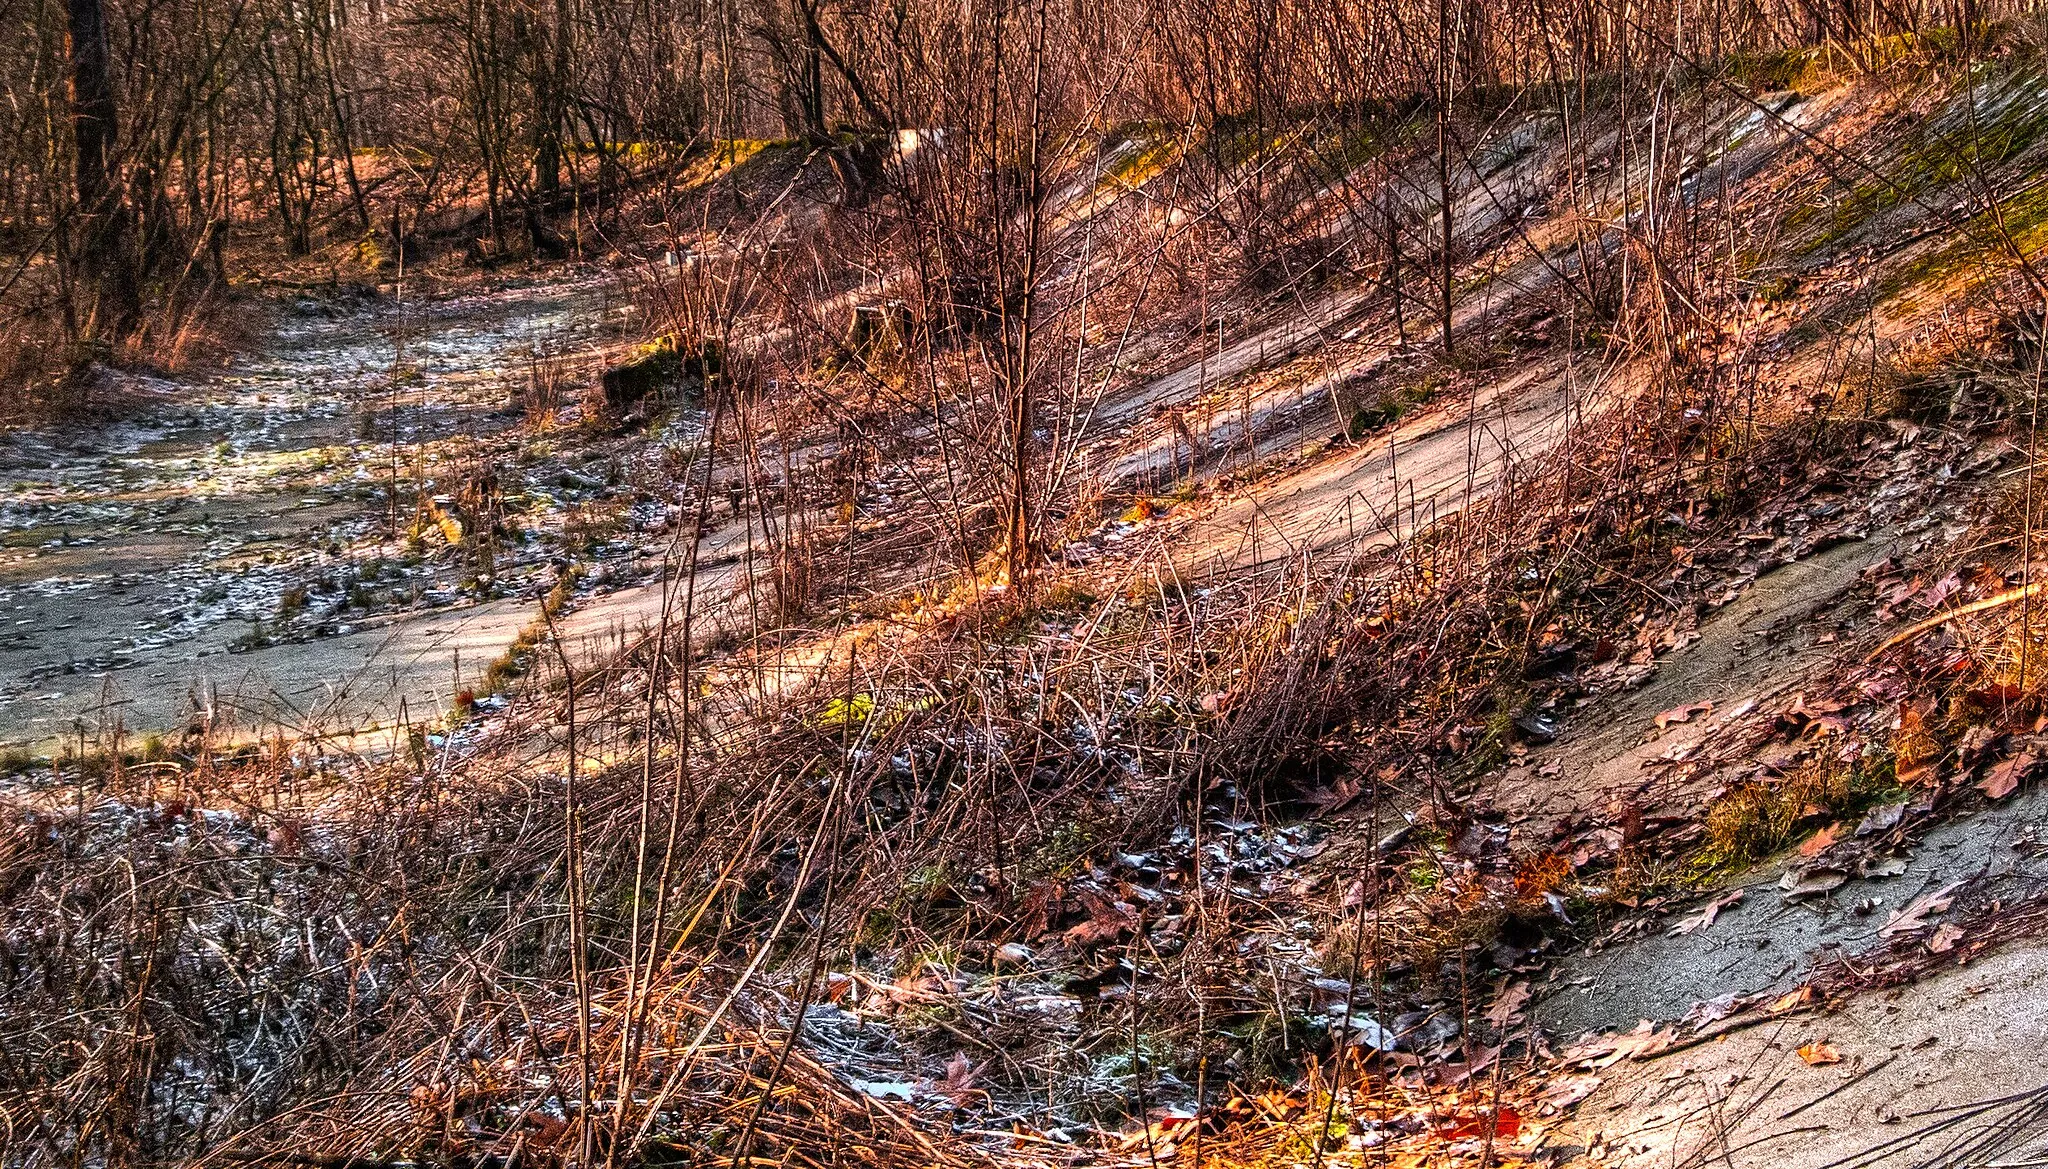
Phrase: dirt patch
pixel 1949 1071
pixel 1765 945
pixel 232 549
pixel 1384 489
pixel 1790 624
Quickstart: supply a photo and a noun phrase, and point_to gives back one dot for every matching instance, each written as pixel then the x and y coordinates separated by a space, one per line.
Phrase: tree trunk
pixel 553 109
pixel 1021 536
pixel 103 257
pixel 1445 83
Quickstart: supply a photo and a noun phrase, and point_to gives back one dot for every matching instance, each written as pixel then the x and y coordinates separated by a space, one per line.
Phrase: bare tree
pixel 104 253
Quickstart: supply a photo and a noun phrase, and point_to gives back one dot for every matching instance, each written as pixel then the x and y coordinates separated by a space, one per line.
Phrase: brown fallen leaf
pixel 1916 775
pixel 1799 719
pixel 1107 920
pixel 1790 1001
pixel 1819 842
pixel 1942 590
pixel 1811 881
pixel 1714 1010
pixel 961 1074
pixel 1975 740
pixel 1281 1105
pixel 1914 916
pixel 1645 1041
pixel 1508 1005
pixel 1945 938
pixel 1823 726
pixel 1996 694
pixel 1605 1049
pixel 1818 1053
pixel 1708 912
pixel 1039 909
pixel 1333 798
pixel 1589 1050
pixel 1561 1094
pixel 2004 777
pixel 1882 818
pixel 1685 713
pixel 1505 1124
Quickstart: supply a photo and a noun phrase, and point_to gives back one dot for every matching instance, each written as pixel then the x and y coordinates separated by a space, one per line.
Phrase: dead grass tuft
pixel 1758 818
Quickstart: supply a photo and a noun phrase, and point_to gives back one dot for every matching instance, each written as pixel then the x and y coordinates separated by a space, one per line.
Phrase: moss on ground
pixel 1997 120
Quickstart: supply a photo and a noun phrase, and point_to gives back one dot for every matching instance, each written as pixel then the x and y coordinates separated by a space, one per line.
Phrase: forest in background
pixel 146 142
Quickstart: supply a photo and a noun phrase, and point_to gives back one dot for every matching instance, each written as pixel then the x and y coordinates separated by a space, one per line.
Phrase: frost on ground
pixel 233 553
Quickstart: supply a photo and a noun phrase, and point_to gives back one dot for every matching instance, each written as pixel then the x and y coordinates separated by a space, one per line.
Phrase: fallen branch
pixel 1919 627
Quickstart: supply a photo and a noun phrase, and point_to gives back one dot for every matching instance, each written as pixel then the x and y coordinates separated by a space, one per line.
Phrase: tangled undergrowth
pixel 1023 876
pixel 1023 842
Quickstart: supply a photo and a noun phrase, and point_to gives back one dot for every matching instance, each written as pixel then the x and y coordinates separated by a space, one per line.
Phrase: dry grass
pixel 1759 817
pixel 50 372
pixel 597 925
